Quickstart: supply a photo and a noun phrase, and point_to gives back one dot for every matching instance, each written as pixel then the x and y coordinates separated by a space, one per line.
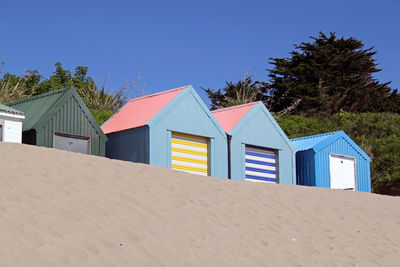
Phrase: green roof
pixel 10 110
pixel 36 107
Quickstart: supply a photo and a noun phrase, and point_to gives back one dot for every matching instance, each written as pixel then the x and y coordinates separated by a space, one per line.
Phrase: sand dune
pixel 65 209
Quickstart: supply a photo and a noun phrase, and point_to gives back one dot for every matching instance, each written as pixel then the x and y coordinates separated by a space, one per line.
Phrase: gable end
pixel 249 116
pixel 176 100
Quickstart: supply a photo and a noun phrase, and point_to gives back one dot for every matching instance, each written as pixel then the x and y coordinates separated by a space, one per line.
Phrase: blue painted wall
pixel 312 163
pixel 259 128
pixel 187 113
pixel 129 145
pixel 305 167
pixel 342 147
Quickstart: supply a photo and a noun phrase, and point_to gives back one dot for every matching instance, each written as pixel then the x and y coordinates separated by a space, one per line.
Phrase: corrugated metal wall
pixel 70 119
pixel 129 145
pixel 187 114
pixel 305 168
pixel 342 147
pixel 261 131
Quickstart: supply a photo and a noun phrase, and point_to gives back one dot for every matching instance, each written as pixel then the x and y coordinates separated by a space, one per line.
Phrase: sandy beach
pixel 60 208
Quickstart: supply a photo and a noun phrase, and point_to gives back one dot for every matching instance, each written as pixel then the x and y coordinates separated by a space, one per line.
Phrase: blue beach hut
pixel 332 160
pixel 172 129
pixel 258 149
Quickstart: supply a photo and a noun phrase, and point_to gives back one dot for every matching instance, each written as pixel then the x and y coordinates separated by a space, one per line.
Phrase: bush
pixel 101 115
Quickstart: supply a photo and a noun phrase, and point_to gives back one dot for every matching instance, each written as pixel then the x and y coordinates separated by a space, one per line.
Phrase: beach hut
pixel 172 129
pixel 332 160
pixel 60 119
pixel 10 124
pixel 258 148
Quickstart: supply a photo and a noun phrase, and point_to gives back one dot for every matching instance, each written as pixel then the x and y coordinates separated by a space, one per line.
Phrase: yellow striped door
pixel 189 153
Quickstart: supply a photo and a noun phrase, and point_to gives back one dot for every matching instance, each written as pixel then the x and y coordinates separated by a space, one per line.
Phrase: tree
pixel 242 92
pixel 102 102
pixel 330 74
pixel 13 87
pixel 62 78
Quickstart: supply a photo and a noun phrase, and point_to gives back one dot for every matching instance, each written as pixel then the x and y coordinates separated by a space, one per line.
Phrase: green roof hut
pixel 60 119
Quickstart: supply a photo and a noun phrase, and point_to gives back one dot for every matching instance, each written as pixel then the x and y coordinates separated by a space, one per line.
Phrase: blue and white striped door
pixel 260 164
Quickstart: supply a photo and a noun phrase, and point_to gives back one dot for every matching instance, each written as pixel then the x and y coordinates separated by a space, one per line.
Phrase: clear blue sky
pixel 174 43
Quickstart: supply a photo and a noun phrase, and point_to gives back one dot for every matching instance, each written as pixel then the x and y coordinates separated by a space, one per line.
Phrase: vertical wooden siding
pixel 71 119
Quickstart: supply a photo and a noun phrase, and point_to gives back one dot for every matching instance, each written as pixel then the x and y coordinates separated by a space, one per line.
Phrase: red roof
pixel 229 117
pixel 138 111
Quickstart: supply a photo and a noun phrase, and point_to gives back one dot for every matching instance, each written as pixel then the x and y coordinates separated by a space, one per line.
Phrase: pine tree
pixel 330 74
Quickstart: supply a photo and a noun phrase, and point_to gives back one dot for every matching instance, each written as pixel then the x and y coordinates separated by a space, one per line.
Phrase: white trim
pixel 11 115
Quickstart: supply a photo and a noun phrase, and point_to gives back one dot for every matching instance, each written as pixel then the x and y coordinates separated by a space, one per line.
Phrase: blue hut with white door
pixel 332 160
pixel 258 149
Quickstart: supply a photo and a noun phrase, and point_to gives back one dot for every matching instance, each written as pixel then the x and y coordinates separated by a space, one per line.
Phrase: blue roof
pixel 309 142
pixel 319 141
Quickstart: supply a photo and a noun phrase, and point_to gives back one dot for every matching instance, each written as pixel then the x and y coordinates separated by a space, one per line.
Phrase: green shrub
pixel 101 115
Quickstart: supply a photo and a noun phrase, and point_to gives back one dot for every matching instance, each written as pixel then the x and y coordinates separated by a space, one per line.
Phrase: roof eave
pixel 337 135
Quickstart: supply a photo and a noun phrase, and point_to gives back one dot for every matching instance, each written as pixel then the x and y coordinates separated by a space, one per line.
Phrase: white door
pixel 342 171
pixel 189 153
pixel 260 164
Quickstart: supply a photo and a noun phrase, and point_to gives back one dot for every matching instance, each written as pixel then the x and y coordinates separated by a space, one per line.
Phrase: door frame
pixel 209 141
pixel 276 153
pixel 75 136
pixel 1 130
pixel 344 157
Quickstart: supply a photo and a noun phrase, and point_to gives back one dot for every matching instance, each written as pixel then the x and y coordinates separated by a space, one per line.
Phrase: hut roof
pixel 11 110
pixel 37 106
pixel 40 108
pixel 139 111
pixel 229 117
pixel 320 141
